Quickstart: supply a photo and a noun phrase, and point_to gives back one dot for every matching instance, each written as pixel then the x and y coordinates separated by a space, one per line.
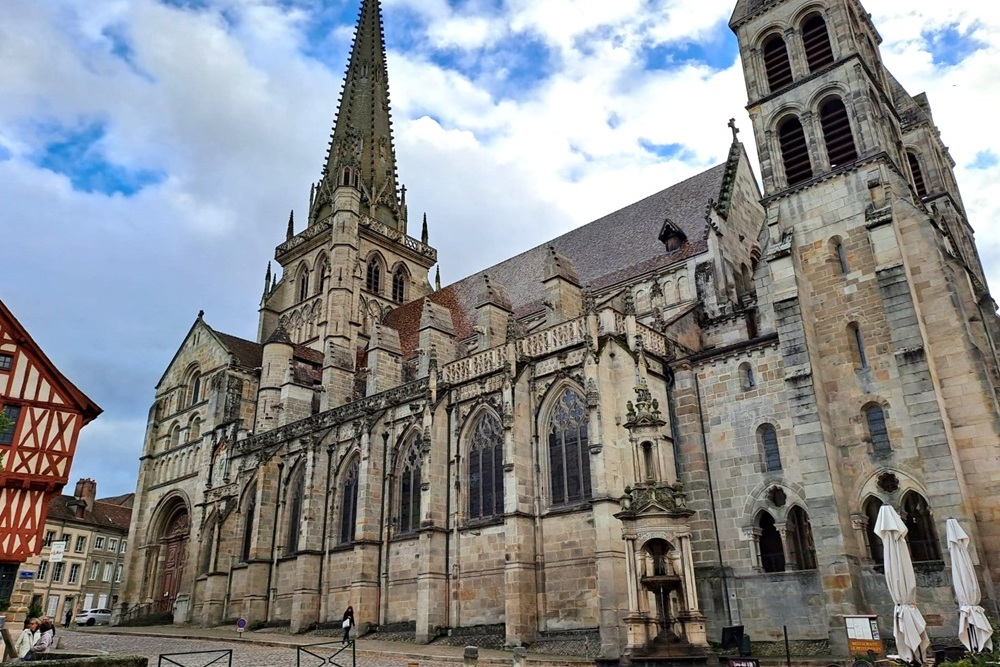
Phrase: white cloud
pixel 236 119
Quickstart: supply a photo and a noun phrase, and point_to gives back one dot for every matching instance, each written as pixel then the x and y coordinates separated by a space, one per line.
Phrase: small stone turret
pixel 563 296
pixel 493 310
pixel 384 360
pixel 277 357
pixel 437 332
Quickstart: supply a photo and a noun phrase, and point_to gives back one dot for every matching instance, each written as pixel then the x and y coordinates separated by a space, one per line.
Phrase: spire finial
pixel 291 225
pixel 437 280
pixel 423 232
pixel 736 130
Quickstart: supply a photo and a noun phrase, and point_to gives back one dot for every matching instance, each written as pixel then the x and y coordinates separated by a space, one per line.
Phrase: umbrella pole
pixel 972 638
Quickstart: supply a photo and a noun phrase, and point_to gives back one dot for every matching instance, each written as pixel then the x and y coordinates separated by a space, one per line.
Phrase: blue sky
pixel 150 150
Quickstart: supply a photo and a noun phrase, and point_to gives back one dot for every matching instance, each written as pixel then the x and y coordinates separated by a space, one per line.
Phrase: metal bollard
pixel 520 657
pixel 471 656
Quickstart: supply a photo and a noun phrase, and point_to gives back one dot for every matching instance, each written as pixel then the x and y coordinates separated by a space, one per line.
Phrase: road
pixel 244 655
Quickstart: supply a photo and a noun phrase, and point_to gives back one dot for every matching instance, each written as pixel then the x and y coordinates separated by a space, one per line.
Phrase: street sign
pixel 56 554
pixel 241 626
pixel 26 574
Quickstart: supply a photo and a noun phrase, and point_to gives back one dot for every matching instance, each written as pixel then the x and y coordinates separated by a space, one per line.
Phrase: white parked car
pixel 94 617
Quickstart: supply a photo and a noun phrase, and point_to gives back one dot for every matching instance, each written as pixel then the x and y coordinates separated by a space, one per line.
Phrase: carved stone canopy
pixel 645 411
pixel 660 498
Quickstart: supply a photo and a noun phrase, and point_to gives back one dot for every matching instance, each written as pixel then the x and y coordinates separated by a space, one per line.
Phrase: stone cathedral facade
pixel 681 416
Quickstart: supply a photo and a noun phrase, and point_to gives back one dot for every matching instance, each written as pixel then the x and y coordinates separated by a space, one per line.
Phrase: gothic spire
pixel 291 226
pixel 361 153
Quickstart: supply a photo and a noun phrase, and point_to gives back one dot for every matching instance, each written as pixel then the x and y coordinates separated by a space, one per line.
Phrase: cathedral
pixel 682 416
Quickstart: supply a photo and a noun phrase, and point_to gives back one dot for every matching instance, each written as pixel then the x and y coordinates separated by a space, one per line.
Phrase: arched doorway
pixel 173 545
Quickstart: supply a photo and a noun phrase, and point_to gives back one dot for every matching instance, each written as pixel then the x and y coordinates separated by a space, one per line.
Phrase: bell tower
pixel 353 261
pixel 873 285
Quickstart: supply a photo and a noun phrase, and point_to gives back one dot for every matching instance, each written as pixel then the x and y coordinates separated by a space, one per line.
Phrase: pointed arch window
pixel 772 552
pixel 349 503
pixel 486 468
pixel 373 280
pixel 194 385
pixel 768 438
pixel 249 516
pixel 296 498
pixel 837 132
pixel 921 535
pixel 877 430
pixel 194 429
pixel 794 151
pixel 918 174
pixel 875 549
pixel 399 285
pixel 816 40
pixel 409 488
pixel 304 285
pixel 323 274
pixel 569 454
pixel 801 548
pixel 776 63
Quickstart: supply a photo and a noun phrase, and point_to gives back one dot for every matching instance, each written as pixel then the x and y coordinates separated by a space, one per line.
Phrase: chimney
pixel 86 490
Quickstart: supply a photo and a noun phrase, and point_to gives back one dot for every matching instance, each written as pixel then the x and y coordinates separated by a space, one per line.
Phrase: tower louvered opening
pixel 816 39
pixel 837 133
pixel 794 151
pixel 776 64
pixel 918 175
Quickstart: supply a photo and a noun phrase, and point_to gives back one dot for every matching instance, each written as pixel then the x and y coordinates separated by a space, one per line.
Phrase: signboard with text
pixel 863 635
pixel 57 552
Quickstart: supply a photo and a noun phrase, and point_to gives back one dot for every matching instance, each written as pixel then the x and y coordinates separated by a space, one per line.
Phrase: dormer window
pixel 671 236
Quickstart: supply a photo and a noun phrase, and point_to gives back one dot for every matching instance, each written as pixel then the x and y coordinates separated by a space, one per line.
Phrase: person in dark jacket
pixel 347 624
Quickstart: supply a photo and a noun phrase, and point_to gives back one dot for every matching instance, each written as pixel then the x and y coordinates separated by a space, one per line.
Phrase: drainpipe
pixel 711 495
pixel 381 525
pixel 323 611
pixel 274 544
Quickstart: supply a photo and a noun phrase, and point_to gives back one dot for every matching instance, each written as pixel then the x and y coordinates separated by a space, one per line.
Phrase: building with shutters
pixel 681 416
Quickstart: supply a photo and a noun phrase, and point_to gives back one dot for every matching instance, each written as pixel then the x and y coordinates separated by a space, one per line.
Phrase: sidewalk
pixel 364 647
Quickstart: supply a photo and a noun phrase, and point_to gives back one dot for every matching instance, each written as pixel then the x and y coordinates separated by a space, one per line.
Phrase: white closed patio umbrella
pixel 974 629
pixel 908 623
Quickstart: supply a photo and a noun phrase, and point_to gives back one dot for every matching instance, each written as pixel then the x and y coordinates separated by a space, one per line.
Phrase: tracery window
pixel 249 516
pixel 486 468
pixel 921 535
pixel 349 503
pixel 772 553
pixel 776 63
pixel 878 432
pixel 569 455
pixel 409 488
pixel 399 285
pixel 296 497
pixel 801 548
pixel 769 447
pixel 373 280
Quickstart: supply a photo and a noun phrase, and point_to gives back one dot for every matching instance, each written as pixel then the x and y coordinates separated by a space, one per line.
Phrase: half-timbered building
pixel 45 413
pixel 680 416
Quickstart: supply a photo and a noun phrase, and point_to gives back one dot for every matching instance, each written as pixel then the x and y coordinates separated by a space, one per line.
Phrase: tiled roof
pixel 103 515
pixel 247 353
pixel 125 500
pixel 612 249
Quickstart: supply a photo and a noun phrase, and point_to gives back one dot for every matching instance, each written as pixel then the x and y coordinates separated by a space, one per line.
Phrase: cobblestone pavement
pixel 244 655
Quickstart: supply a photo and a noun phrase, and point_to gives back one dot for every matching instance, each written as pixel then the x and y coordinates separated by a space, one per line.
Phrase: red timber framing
pixel 37 452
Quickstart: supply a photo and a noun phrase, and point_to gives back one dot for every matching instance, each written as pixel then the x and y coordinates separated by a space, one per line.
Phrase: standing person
pixel 44 643
pixel 27 638
pixel 347 624
pixel 69 617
